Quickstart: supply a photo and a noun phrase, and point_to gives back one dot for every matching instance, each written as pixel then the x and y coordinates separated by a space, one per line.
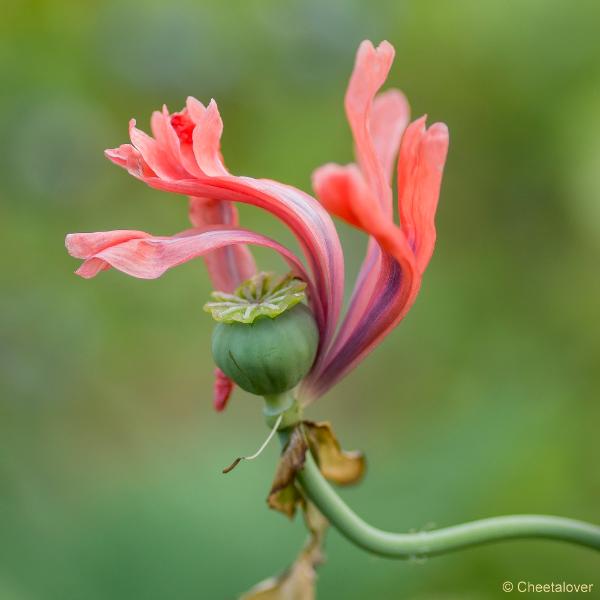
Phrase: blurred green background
pixel 484 401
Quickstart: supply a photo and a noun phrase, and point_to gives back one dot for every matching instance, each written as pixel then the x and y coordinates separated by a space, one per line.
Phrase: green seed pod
pixel 266 340
pixel 268 356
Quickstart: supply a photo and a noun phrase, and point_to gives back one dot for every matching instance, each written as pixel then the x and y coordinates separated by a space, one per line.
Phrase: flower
pixel 184 157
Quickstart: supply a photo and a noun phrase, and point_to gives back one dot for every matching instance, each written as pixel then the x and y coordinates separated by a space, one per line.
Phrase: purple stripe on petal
pixel 390 301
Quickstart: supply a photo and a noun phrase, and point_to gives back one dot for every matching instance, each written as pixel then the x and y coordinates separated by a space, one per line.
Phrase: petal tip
pixel 386 48
pixel 439 130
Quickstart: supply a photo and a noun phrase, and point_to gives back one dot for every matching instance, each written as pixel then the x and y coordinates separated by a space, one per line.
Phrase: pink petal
pixel 309 222
pixel 344 192
pixel 228 266
pixel 305 217
pixel 185 158
pixel 231 265
pixel 84 245
pixel 338 188
pixel 90 268
pixel 164 134
pixel 420 168
pixel 223 387
pixel 159 159
pixel 362 293
pixel 128 157
pixel 181 153
pixel 207 142
pixel 388 120
pixel 120 155
pixel 390 275
pixel 195 109
pixel 148 257
pixel 390 299
pixel 386 275
pixel 387 286
pixel 370 72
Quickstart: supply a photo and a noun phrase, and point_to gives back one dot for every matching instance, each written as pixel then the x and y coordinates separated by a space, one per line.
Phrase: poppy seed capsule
pixel 265 340
pixel 270 355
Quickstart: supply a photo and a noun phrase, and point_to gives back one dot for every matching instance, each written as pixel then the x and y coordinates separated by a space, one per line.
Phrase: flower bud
pixel 266 340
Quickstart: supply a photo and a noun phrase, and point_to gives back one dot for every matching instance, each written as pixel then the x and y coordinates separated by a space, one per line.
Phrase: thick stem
pixel 431 543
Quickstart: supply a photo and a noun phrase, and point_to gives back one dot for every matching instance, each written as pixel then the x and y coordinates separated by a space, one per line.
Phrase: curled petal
pixel 420 168
pixel 223 387
pixel 305 217
pixel 128 157
pixel 159 159
pixel 383 290
pixel 207 142
pixel 120 155
pixel 345 193
pixel 164 134
pixel 228 266
pixel 388 285
pixel 390 276
pixel 364 289
pixel 389 279
pixel 148 257
pixel 84 245
pixel 392 292
pixel 185 158
pixel 187 144
pixel 145 256
pixel 183 126
pixel 387 272
pixel 370 72
pixel 388 120
pixel 195 108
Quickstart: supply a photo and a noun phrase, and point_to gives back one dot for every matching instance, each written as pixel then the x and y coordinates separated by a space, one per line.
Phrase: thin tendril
pixel 238 460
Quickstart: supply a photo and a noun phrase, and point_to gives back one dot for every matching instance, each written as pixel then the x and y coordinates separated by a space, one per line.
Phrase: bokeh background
pixel 483 402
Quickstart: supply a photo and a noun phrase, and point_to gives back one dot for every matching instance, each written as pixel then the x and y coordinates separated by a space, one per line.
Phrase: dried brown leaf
pixel 297 582
pixel 285 500
pixel 337 465
pixel 317 526
pixel 284 496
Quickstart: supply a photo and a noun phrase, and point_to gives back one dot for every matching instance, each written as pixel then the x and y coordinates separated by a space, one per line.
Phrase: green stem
pixel 431 543
pixel 284 405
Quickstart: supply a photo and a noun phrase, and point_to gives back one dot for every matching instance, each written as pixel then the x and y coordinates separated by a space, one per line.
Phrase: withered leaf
pixel 285 500
pixel 297 582
pixel 317 526
pixel 337 465
pixel 284 496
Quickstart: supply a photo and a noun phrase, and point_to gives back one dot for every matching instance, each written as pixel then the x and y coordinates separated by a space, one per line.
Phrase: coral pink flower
pixel 184 157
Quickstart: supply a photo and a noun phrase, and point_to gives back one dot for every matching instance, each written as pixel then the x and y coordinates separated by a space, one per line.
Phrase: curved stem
pixel 430 543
